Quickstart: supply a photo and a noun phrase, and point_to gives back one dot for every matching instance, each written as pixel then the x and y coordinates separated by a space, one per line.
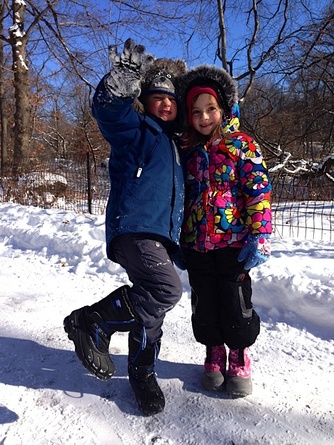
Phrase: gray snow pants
pixel 157 287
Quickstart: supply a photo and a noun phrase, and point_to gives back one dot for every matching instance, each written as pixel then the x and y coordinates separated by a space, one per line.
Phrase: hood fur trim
pixel 212 77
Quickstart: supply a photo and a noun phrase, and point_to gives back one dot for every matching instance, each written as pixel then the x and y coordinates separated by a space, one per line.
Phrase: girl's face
pixel 206 114
pixel 162 105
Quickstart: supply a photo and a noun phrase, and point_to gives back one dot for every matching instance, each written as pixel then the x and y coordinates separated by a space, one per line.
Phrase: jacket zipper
pixel 148 154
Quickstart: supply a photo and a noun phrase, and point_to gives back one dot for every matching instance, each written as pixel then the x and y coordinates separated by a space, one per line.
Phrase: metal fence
pixel 79 183
pixel 303 207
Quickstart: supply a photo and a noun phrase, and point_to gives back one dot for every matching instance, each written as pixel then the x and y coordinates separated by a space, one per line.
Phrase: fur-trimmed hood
pixel 161 69
pixel 209 76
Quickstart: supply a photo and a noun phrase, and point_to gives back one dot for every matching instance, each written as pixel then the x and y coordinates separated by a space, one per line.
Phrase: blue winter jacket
pixel 146 177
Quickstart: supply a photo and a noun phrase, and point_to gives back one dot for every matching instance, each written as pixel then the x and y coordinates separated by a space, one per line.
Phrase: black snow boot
pixel 91 327
pixel 143 379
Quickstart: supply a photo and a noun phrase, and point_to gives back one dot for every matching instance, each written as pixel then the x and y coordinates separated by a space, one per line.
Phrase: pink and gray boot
pixel 214 368
pixel 238 379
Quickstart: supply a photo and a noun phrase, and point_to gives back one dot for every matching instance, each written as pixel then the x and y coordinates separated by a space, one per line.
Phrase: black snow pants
pixel 221 297
pixel 156 288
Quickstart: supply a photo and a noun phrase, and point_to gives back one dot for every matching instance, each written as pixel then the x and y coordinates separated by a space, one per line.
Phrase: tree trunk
pixel 22 112
pixel 3 116
pixel 21 88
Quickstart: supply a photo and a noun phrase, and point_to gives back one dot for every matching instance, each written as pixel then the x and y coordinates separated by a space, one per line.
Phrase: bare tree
pixel 63 37
pixel 17 39
pixel 3 116
pixel 55 42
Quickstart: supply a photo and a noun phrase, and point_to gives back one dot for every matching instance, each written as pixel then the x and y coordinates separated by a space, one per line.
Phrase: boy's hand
pixel 127 69
pixel 178 258
pixel 256 250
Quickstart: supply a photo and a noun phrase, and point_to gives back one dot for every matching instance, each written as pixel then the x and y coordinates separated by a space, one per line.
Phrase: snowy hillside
pixel 52 262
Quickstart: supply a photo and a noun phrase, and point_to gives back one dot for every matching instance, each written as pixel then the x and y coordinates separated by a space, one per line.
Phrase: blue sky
pixel 239 26
pixel 158 39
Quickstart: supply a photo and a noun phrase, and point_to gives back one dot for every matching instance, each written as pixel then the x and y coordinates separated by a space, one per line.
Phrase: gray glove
pixel 127 69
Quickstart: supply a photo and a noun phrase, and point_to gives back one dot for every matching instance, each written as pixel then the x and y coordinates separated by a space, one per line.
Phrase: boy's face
pixel 162 106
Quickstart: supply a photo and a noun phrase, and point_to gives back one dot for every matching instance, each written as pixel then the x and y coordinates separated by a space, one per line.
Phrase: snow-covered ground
pixel 52 262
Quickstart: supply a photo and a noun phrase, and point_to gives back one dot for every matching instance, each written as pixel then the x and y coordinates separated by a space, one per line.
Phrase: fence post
pixel 89 185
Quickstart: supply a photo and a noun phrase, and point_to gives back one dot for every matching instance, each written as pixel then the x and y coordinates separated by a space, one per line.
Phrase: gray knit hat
pixel 161 77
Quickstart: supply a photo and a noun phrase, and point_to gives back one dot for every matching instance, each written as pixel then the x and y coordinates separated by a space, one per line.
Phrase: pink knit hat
pixel 195 91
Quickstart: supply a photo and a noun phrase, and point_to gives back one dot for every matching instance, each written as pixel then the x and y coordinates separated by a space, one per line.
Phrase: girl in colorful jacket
pixel 226 229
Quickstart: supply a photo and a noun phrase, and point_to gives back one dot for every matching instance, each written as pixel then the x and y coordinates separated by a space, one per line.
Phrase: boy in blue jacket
pixel 143 218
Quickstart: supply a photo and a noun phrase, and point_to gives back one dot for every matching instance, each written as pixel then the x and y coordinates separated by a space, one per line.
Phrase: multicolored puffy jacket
pixel 227 193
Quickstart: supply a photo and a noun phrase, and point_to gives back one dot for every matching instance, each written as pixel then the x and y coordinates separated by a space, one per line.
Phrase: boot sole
pixel 239 387
pixel 212 381
pixel 97 363
pixel 148 407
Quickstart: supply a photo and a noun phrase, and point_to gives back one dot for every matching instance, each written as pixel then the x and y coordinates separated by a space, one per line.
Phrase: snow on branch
pixel 305 168
pixel 16 31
